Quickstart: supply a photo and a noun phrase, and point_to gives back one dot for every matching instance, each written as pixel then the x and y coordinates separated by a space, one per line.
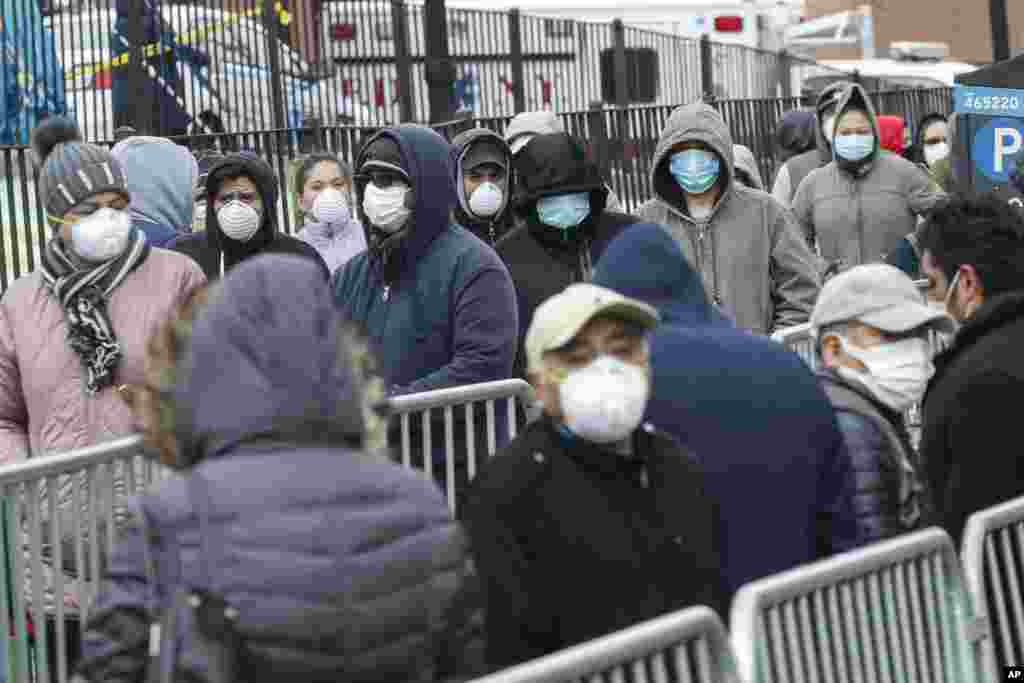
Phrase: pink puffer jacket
pixel 44 407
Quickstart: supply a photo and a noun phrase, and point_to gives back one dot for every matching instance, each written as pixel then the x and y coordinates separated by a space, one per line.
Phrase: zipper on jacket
pixel 387 293
pixel 860 221
pixel 709 272
pixel 586 262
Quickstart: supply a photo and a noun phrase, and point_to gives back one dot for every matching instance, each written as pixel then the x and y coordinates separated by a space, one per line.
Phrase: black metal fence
pixel 621 141
pixel 170 67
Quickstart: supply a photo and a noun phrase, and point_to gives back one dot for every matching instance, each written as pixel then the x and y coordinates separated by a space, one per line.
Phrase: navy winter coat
pixel 748 409
pixel 342 565
pixel 439 307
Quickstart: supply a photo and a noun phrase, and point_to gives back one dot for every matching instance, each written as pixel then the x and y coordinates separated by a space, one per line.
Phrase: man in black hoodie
pixel 482 164
pixel 241 219
pixel 565 226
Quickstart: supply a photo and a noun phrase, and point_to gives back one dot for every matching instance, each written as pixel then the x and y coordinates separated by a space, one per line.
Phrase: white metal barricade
pixel 690 645
pixel 61 515
pixel 503 404
pixel 993 560
pixel 62 512
pixel 893 611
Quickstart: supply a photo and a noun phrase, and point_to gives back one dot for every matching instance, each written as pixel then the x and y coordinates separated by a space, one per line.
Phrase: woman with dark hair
pixel 322 194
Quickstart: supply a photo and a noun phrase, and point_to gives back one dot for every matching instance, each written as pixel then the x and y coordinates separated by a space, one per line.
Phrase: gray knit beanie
pixel 70 169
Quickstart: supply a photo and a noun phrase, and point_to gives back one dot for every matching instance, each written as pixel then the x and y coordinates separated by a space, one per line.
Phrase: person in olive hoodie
pixel 564 223
pixel 241 219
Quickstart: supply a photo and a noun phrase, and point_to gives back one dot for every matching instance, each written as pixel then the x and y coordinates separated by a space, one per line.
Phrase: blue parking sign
pixel 996 148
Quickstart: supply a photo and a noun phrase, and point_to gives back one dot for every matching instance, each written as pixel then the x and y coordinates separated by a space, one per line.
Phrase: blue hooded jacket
pixel 338 562
pixel 751 411
pixel 438 307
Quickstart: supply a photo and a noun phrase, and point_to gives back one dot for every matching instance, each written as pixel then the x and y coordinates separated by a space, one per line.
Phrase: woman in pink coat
pixel 73 332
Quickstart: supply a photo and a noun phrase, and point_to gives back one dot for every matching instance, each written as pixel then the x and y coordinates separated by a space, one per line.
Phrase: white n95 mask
pixel 486 200
pixel 604 401
pixel 385 206
pixel 331 206
pixel 102 235
pixel 238 220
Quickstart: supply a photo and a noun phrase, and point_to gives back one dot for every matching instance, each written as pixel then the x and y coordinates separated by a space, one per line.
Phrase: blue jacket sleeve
pixel 486 330
pixel 905 258
pixel 875 492
pixel 837 519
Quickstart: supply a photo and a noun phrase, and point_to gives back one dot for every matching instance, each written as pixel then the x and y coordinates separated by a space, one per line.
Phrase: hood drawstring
pixel 586 262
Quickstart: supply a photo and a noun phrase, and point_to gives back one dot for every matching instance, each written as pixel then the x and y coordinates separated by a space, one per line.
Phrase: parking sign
pixel 991 128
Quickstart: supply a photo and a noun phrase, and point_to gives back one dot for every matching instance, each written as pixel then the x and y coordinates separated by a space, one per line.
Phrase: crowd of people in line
pixel 680 452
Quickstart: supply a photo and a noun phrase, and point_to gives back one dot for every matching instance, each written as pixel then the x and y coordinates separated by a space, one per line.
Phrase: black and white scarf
pixel 83 293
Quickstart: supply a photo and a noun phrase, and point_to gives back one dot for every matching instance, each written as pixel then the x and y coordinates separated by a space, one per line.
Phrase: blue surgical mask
pixel 854 147
pixel 564 211
pixel 696 170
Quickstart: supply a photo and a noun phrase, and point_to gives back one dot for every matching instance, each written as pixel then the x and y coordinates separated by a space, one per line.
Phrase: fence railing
pixel 61 513
pixel 216 65
pixel 690 645
pixel 992 557
pixel 896 610
pixel 620 141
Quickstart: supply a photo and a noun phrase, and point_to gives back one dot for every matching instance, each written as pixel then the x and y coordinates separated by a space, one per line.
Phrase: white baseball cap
pixel 557 321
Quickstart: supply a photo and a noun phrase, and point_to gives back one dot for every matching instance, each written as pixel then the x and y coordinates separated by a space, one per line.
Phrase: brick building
pixel 962 24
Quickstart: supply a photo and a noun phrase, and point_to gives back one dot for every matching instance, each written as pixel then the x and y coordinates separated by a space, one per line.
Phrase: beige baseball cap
pixel 557 321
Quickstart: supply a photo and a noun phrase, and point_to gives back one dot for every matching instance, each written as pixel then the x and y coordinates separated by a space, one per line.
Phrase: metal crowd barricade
pixel 61 514
pixel 687 646
pixel 896 610
pixel 799 340
pixel 461 404
pixel 992 556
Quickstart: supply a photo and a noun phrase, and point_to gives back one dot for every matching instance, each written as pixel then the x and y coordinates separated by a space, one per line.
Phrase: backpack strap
pixel 848 400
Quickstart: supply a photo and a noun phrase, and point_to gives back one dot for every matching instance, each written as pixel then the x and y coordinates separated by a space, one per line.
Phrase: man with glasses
pixel 436 303
pixel 241 218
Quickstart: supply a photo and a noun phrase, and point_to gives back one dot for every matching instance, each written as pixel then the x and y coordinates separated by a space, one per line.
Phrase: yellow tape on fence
pixel 190 38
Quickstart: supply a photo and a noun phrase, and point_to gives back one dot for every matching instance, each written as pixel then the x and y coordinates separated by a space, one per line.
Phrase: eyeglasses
pixel 249 198
pixel 382 179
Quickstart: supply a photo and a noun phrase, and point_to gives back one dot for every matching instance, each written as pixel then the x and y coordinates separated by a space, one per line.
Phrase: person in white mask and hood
pixel 481 162
pixel 872 327
pixel 241 218
pixel 589 496
pixel 323 189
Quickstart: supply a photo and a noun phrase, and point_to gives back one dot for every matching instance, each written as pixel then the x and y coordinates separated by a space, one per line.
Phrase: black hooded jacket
pixel 206 247
pixel 544 260
pixel 493 229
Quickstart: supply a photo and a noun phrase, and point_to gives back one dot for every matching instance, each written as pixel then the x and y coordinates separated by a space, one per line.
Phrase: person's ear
pixel 831 350
pixel 970 286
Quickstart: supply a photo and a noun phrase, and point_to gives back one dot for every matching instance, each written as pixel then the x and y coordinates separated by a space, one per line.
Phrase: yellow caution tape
pixel 194 36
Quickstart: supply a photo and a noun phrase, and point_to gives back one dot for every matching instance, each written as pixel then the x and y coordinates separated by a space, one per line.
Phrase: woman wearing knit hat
pixel 73 332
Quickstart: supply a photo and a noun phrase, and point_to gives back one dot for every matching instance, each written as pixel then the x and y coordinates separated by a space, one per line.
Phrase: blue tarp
pixel 31 78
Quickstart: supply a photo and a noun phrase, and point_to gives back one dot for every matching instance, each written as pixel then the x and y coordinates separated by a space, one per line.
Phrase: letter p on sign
pixel 1003 150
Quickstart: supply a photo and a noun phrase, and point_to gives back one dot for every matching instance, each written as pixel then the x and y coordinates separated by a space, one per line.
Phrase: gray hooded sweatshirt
pixel 859 214
pixel 545 122
pixel 746 162
pixel 755 264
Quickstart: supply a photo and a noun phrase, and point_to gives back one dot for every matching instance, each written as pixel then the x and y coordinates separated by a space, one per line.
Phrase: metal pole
pixel 440 70
pixel 1000 30
pixel 515 42
pixel 141 117
pixel 622 72
pixel 403 63
pixel 273 40
pixel 707 69
pixel 785 75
